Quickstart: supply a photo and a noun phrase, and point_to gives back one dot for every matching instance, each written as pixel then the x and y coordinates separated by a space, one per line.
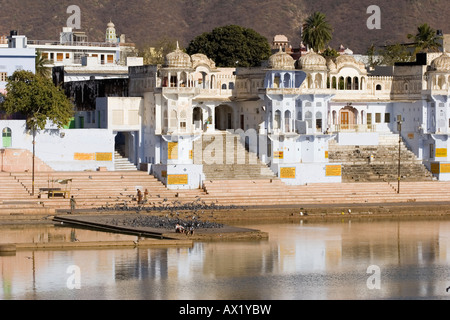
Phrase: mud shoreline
pixel 276 212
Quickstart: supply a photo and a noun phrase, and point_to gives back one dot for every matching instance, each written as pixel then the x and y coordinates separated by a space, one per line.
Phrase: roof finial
pixel 178 45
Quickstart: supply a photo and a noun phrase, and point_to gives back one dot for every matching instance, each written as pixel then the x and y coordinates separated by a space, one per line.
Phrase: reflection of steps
pixel 122 164
pixel 357 165
pixel 224 157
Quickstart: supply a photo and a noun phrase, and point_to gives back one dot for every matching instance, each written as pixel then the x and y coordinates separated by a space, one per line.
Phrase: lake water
pixel 346 259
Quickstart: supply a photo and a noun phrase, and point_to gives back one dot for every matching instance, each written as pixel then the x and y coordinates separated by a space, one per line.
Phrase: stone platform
pixel 114 223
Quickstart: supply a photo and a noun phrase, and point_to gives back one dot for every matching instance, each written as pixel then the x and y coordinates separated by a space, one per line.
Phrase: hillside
pixel 146 21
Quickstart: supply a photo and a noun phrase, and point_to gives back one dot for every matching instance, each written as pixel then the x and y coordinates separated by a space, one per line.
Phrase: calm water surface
pixel 348 259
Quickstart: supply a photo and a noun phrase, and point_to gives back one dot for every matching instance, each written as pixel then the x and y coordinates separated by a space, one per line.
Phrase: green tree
pixel 394 53
pixel 41 65
pixel 426 39
pixel 232 46
pixel 38 100
pixel 156 54
pixel 330 53
pixel 372 53
pixel 317 32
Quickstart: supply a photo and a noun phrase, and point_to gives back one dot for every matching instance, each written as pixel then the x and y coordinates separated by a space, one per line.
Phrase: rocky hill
pixel 146 21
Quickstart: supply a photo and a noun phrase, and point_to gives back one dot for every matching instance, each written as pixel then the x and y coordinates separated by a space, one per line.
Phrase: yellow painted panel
pixel 104 156
pixel 333 171
pixel 172 150
pixel 287 173
pixel 84 156
pixel 177 179
pixel 326 154
pixel 445 168
pixel 441 152
pixel 278 155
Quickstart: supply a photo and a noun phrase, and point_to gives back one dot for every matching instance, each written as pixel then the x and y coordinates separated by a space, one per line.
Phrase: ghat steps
pixel 224 157
pixel 378 162
pixel 94 189
pixel 121 163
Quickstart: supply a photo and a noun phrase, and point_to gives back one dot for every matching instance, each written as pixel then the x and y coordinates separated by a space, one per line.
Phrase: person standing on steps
pixel 73 204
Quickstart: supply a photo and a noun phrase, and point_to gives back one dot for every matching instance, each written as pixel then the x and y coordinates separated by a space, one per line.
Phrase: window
pixel 67 55
pixel 369 118
pixel 6 138
pixel 378 87
pixel 59 57
pixel 44 55
pixel 377 117
pixel 387 117
pixel 110 58
pixel 3 76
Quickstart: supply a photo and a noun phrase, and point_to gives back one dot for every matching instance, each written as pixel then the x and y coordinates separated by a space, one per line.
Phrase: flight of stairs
pixel 357 165
pixel 224 157
pixel 122 163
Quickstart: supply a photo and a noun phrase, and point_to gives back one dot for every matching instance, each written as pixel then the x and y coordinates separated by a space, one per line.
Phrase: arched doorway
pixel 347 116
pixel 224 117
pixel 197 118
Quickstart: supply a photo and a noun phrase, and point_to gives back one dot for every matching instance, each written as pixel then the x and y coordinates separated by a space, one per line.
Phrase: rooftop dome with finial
pixel 178 59
pixel 441 63
pixel 281 61
pixel 312 61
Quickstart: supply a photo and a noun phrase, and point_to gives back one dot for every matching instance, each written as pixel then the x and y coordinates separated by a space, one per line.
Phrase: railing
pixel 73 43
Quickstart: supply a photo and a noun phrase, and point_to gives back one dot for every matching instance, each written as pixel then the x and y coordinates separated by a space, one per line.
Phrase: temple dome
pixel 312 61
pixel 178 59
pixel 442 63
pixel 281 61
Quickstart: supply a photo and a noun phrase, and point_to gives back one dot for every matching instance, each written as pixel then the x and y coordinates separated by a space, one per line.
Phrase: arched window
pixel 319 121
pixel 7 138
pixel 287 121
pixel 378 87
pixel 341 83
pixel 355 83
pixel 173 120
pixel 348 83
pixel 318 81
pixel 287 80
pixel 308 118
pixel 224 86
pixel 183 121
pixel 277 123
pixel 334 83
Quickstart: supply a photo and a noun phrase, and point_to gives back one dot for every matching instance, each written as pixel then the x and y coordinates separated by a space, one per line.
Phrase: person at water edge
pixel 73 203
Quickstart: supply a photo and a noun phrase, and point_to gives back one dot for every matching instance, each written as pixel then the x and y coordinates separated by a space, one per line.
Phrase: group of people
pixel 142 198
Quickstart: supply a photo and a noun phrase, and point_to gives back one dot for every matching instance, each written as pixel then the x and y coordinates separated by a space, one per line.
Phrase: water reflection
pixel 301 260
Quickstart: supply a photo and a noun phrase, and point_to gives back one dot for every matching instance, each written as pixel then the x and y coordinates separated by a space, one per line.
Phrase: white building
pixel 180 117
pixel 17 56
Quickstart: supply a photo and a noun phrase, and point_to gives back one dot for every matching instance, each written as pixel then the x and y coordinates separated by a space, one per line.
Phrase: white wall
pixel 60 149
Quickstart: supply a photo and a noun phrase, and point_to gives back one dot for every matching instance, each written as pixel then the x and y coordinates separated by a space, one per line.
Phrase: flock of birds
pixel 163 222
pixel 196 214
